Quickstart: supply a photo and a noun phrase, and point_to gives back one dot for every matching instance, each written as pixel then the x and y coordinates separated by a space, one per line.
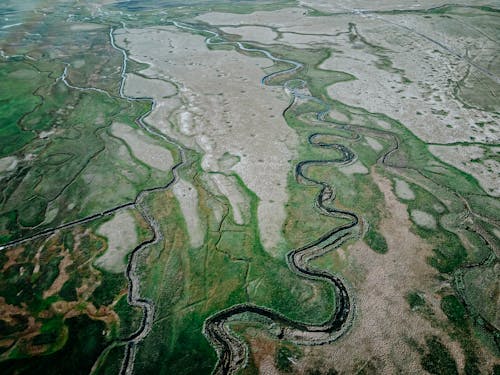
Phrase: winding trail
pixel 233 352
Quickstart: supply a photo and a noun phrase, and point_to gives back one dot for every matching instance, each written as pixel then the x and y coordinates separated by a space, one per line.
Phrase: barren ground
pixel 144 147
pixel 187 196
pixel 231 111
pixel 140 87
pixel 122 238
pixel 471 159
pixel 384 322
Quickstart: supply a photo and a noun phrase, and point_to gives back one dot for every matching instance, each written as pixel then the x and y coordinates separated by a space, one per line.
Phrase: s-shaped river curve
pixel 232 352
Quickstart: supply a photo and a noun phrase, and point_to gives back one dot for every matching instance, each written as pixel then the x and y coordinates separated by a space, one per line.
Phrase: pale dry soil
pixel 423 219
pixel 228 186
pixel 425 105
pixel 354 168
pixel 343 5
pixel 187 196
pixel 374 144
pixel 253 33
pixel 8 163
pixel 162 112
pixel 403 190
pixel 384 321
pixel 86 27
pixel 121 234
pixel 143 147
pixel 140 87
pixel 227 161
pixel 291 22
pixel 416 87
pixel 471 160
pixel 225 109
pixel 339 116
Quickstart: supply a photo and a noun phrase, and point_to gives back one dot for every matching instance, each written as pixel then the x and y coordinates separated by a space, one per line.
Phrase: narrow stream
pixel 134 297
pixel 232 352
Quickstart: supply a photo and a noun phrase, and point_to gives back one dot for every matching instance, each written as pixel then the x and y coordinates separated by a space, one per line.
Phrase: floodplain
pixel 249 187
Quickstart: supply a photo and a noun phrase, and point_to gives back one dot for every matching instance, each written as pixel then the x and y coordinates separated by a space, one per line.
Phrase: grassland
pixel 189 291
pixel 59 310
pixel 61 160
pixel 439 189
pixel 411 160
pixel 85 313
pixel 68 163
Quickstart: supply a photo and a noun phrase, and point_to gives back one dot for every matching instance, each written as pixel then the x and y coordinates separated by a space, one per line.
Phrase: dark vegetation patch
pixel 415 300
pixel 437 359
pixel 85 343
pixel 285 356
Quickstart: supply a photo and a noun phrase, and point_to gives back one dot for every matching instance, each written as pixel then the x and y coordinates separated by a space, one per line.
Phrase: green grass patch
pixel 111 285
pixel 376 241
pixel 85 343
pixel 454 310
pixel 284 356
pixel 447 259
pixel 438 359
pixel 415 300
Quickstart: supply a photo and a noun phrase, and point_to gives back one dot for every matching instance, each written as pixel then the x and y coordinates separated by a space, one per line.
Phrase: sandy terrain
pixel 355 168
pixel 373 143
pixel 297 29
pixel 425 105
pixel 143 147
pixel 470 160
pixel 225 119
pixel 227 161
pixel 122 238
pixel 86 26
pixel 162 112
pixel 187 196
pixel 302 40
pixel 338 116
pixel 278 18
